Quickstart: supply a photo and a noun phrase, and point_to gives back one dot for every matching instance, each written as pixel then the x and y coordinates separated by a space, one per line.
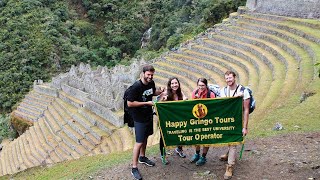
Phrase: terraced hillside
pixel 274 55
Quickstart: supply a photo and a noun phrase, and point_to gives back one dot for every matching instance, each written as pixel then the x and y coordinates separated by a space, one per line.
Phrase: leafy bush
pixel 5 127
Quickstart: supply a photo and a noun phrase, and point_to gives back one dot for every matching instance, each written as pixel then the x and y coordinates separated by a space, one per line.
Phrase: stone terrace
pixel 80 112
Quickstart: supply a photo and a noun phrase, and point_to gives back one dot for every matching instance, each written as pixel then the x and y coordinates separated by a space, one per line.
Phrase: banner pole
pixel 242 148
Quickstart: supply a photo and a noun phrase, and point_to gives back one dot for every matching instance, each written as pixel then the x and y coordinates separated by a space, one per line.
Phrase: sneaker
pixel 145 160
pixel 195 158
pixel 201 161
pixel 180 152
pixel 136 174
pixel 164 160
pixel 224 157
pixel 229 171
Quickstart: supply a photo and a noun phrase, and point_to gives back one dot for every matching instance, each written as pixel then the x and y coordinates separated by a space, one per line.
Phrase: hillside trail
pixel 282 157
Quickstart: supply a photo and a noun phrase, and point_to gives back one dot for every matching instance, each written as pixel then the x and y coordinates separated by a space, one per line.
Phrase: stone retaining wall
pixel 294 8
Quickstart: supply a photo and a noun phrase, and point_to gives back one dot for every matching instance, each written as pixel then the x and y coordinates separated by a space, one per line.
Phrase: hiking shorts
pixel 143 130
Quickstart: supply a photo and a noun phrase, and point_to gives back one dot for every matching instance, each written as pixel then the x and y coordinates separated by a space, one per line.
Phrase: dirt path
pixel 292 157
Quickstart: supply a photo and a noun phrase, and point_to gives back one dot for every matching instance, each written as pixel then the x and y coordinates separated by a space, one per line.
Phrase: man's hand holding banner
pixel 201 122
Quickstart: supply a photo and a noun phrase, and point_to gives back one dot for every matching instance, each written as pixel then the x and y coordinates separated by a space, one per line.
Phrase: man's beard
pixel 146 79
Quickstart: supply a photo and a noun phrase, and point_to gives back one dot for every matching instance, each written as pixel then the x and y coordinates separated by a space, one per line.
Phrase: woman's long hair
pixel 170 91
pixel 204 80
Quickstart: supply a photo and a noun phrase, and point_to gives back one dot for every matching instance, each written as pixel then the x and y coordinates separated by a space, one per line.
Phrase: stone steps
pixel 93 136
pixel 62 154
pixel 31 154
pixel 127 138
pixel 27 159
pixel 155 137
pixel 108 145
pixel 38 133
pixel 39 155
pixel 211 73
pixel 302 31
pixel 25 116
pixel 4 161
pixel 67 121
pixel 37 109
pixel 308 46
pixel 78 148
pixel 227 59
pixel 98 121
pixel 28 110
pixel 37 143
pixel 17 156
pixel 217 64
pixel 72 152
pixel 39 98
pixel 103 147
pixel 268 93
pixel 37 104
pixel 54 126
pixel 243 71
pixel 264 71
pixel 71 100
pixel 258 47
pixel 1 169
pixel 55 139
pixel 117 143
pixel 50 137
pixel 185 80
pixel 45 90
pixel 189 73
pixel 299 26
pixel 290 63
pixel 10 164
pixel 191 65
pixel 73 134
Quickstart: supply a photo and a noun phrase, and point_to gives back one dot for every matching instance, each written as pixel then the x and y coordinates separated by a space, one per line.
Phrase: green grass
pixel 293 115
pixel 81 168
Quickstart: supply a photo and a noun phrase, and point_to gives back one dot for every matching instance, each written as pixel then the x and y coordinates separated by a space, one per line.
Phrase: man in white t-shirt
pixel 233 90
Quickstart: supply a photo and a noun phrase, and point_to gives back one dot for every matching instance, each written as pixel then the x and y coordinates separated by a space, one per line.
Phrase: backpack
pixel 127 116
pixel 252 100
pixel 213 88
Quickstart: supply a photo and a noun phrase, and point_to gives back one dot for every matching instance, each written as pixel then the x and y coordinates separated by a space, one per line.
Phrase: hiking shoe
pixel 195 158
pixel 201 161
pixel 145 160
pixel 136 174
pixel 229 172
pixel 224 157
pixel 180 152
pixel 164 160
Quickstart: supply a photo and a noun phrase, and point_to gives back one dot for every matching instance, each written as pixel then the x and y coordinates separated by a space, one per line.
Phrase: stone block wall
pixel 101 90
pixel 293 8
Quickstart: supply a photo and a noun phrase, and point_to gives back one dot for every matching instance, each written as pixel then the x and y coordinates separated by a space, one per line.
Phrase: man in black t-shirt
pixel 140 107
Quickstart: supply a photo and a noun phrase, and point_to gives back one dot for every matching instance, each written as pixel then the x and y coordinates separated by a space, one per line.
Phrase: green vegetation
pixel 5 130
pixel 81 168
pixel 41 38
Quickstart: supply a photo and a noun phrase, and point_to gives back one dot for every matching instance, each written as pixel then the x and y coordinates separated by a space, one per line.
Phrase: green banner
pixel 201 122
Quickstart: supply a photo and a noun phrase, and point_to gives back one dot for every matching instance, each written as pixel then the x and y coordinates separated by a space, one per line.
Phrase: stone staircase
pixel 274 55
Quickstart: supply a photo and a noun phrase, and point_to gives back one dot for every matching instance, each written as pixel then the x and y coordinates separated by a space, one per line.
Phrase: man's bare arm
pixel 138 104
